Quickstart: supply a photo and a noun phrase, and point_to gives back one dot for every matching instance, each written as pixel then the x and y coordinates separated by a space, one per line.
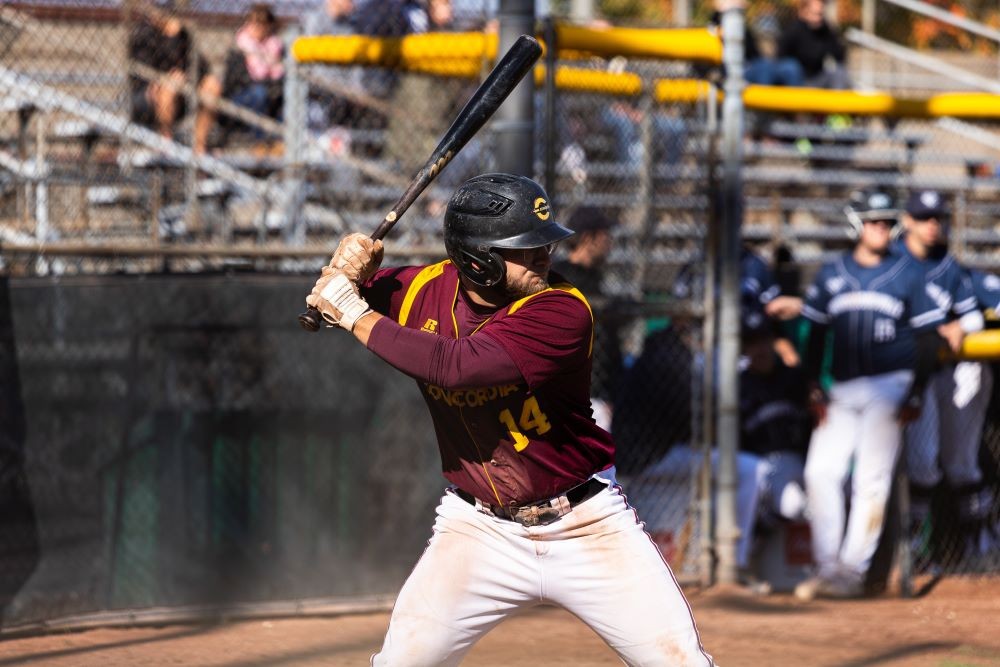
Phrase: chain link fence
pixel 177 428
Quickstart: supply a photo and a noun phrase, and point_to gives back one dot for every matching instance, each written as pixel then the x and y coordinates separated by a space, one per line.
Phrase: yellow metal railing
pixel 463 55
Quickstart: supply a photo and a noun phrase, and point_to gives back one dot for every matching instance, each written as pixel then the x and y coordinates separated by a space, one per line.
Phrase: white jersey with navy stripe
pixel 874 313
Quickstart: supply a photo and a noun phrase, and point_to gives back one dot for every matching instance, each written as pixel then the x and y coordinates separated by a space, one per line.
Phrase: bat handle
pixel 311 320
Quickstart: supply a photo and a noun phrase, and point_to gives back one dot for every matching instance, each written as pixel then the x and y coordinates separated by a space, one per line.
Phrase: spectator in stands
pixel 329 110
pixel 815 44
pixel 423 100
pixel 333 17
pixel 761 64
pixel 583 266
pixel 387 18
pixel 160 43
pixel 623 121
pixel 255 71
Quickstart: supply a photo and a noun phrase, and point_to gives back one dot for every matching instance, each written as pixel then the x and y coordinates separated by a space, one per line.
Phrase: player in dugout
pixel 884 339
pixel 501 351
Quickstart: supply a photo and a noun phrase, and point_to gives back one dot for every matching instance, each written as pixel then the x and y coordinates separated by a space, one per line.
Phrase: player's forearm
pixel 476 361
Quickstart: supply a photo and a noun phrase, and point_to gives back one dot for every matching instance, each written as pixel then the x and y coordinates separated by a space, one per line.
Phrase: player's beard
pixel 528 284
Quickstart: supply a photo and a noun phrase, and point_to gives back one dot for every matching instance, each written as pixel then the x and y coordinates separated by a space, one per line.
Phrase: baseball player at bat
pixel 943 443
pixel 501 351
pixel 883 324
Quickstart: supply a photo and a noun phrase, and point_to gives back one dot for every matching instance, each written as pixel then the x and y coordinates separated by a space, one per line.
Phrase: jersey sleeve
pixel 549 336
pixel 925 311
pixel 986 287
pixel 385 290
pixel 963 296
pixel 815 308
pixel 757 282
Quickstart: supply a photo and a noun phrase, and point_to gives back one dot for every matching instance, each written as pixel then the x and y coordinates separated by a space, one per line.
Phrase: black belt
pixel 542 512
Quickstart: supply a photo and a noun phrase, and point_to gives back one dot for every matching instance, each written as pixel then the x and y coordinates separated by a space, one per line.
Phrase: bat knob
pixel 310 320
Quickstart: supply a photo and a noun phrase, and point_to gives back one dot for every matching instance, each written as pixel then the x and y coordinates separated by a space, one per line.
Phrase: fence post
pixel 514 124
pixel 550 36
pixel 708 339
pixel 295 123
pixel 727 429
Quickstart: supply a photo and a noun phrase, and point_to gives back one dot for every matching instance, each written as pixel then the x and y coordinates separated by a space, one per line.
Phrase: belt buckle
pixel 530 516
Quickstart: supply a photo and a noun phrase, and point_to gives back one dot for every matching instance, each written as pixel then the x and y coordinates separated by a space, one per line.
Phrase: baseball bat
pixel 505 76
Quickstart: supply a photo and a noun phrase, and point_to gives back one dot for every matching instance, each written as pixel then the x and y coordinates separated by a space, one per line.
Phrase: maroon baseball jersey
pixel 517 441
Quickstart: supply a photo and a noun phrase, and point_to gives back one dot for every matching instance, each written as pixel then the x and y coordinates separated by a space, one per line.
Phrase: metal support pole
pixel 708 342
pixel 514 123
pixel 729 279
pixel 682 13
pixel 296 105
pixel 581 11
pixel 549 140
pixel 867 57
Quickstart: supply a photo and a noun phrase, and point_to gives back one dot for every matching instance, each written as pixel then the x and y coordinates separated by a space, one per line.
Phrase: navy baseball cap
pixel 926 204
pixel 589 219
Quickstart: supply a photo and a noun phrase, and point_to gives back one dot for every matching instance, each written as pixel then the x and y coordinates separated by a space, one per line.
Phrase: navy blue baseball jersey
pixel 757 283
pixel 986 287
pixel 874 312
pixel 948 283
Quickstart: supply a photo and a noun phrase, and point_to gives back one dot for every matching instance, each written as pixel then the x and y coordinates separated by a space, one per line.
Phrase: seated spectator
pixel 622 120
pixel 328 110
pixel 423 104
pixel 760 61
pixel 255 70
pixel 817 47
pixel 162 43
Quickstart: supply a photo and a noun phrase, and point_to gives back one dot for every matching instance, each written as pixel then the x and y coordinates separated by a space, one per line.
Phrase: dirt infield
pixel 956 624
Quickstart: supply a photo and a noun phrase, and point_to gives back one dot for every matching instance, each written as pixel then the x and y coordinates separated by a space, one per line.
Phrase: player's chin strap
pixel 341 293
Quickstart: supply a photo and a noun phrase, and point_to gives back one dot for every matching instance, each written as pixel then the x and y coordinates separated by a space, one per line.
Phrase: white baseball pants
pixel 597 562
pixel 862 429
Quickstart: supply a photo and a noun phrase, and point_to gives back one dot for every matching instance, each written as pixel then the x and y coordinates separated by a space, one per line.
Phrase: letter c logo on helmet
pixel 541 209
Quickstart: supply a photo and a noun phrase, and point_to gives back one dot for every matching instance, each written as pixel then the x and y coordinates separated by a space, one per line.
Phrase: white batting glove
pixel 337 299
pixel 358 257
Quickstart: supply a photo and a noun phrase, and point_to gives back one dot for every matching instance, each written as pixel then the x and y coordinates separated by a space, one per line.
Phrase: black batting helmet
pixel 494 211
pixel 868 205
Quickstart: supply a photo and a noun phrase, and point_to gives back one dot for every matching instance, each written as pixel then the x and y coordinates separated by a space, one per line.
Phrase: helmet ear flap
pixel 854 233
pixel 486 269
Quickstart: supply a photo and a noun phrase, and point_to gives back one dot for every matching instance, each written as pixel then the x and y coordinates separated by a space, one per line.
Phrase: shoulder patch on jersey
pixel 835 284
pixel 812 292
pixel 991 282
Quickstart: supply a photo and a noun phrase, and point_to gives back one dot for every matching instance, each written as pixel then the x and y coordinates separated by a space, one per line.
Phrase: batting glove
pixel 358 256
pixel 337 299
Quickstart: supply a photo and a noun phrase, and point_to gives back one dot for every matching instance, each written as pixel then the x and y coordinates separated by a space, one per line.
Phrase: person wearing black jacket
pixel 814 43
